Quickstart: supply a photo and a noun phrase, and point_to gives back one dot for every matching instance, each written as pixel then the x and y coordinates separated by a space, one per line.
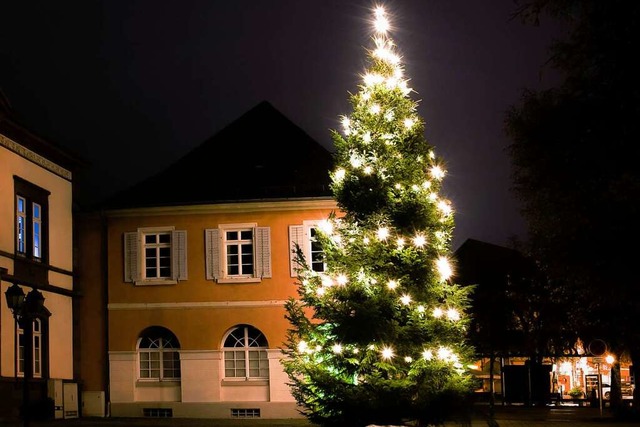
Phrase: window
pixel 245 354
pixel 159 355
pixel 155 256
pixel 36 349
pixel 238 253
pixel 31 220
pixel 305 237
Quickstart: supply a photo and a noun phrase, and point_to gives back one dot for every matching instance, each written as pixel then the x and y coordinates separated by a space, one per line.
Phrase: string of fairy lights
pixel 388 76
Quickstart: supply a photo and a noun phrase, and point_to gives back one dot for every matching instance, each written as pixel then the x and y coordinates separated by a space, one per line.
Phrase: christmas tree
pixel 378 335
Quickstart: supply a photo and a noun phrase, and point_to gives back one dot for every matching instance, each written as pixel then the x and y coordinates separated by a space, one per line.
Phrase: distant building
pixel 36 254
pixel 526 367
pixel 194 266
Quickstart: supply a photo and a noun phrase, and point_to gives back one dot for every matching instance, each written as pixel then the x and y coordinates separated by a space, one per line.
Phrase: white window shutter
pixel 296 239
pixel 212 244
pixel 263 251
pixel 131 263
pixel 179 255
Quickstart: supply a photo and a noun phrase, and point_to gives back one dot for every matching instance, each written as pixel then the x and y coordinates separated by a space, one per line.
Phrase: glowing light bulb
pixel 341 280
pixel 420 309
pixel 426 184
pixel 387 353
pixel 355 160
pixel 443 353
pixel 408 359
pixel 366 137
pixel 400 242
pixel 321 291
pixel 381 23
pixel 371 79
pixel 346 123
pixel 432 154
pixel 444 268
pixel 445 207
pixel 367 170
pixel 392 284
pixel 609 359
pixel 409 122
pixel 303 346
pixel 375 109
pixel 337 348
pixel 389 116
pixel 453 314
pixel 383 233
pixel 326 281
pixel 427 355
pixel 405 299
pixel 437 313
pixel 437 172
pixel 338 176
pixel 326 227
pixel 419 241
pixel 366 240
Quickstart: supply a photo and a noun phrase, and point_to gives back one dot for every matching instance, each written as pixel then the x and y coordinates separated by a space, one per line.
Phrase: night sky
pixel 131 86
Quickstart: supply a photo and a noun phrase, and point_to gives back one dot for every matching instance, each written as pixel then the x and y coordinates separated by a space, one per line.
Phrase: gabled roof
pixel 261 155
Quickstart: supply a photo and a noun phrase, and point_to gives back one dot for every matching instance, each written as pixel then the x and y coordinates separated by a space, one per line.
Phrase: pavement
pixel 505 416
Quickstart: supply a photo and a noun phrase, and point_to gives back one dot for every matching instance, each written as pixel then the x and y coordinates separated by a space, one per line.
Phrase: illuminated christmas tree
pixel 378 336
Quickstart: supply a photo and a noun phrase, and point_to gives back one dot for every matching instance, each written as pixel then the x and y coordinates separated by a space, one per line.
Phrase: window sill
pixel 152 382
pixel 240 280
pixel 242 382
pixel 156 282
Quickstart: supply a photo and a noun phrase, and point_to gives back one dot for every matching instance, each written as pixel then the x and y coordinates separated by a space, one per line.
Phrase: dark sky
pixel 131 86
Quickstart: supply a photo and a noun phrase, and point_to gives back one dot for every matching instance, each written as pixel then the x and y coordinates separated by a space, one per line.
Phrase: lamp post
pixel 25 310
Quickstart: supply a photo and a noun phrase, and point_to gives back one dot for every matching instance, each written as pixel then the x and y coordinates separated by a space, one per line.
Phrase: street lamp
pixel 25 310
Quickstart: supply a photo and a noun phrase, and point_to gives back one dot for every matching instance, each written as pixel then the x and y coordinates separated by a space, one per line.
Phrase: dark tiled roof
pixel 261 155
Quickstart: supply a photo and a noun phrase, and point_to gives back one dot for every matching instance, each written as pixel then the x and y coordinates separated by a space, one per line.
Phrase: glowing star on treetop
pixel 381 23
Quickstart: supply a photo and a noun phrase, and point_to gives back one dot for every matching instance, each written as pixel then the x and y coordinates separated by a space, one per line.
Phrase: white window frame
pixel 217 253
pixel 246 349
pixel 135 247
pixel 36 349
pixel 162 353
pixel 302 235
pixel 156 247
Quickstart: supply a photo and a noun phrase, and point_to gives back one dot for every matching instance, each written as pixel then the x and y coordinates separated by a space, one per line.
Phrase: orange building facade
pixel 188 341
pixel 184 277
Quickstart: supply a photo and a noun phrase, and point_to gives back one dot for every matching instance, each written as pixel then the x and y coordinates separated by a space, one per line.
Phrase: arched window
pixel 245 354
pixel 159 355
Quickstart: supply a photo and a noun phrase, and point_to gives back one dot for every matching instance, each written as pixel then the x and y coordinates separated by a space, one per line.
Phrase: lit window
pixel 245 354
pixel 37 229
pixel 31 220
pixel 21 221
pixel 159 355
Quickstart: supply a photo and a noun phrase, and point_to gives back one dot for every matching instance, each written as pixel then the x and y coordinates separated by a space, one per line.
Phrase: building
pixel 36 257
pixel 194 266
pixel 512 337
